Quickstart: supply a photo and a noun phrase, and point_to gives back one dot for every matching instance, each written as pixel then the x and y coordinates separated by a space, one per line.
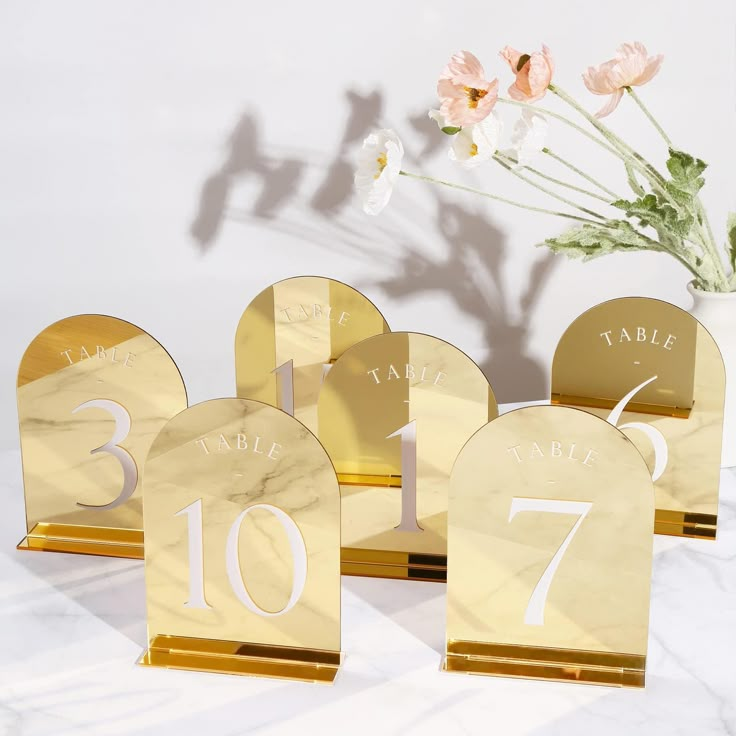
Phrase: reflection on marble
pixel 73 628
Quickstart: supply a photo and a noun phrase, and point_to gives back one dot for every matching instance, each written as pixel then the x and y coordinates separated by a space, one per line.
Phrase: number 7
pixel 534 615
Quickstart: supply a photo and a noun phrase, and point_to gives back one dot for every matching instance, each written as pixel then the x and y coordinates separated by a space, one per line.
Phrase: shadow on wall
pixel 470 271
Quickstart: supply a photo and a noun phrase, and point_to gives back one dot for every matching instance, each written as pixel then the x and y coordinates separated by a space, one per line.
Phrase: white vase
pixel 717 313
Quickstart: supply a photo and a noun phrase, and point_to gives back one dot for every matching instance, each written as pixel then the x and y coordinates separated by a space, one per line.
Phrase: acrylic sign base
pixel 84 540
pixel 544 663
pixel 237 658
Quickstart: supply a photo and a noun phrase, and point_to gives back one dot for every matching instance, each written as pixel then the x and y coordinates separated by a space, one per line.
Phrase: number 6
pixel 659 443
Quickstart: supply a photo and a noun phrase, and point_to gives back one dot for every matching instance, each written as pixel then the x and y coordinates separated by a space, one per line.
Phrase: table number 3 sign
pixel 242 524
pixel 551 518
pixel 93 391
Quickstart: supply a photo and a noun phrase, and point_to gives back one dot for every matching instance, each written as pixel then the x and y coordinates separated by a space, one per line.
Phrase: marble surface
pixel 73 627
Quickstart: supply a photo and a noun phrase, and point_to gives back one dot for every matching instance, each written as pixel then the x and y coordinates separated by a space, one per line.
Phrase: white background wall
pixel 165 161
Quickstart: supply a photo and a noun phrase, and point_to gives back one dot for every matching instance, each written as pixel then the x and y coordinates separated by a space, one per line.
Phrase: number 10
pixel 197 599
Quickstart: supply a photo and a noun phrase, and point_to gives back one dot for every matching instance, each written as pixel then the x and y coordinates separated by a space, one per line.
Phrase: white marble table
pixel 72 628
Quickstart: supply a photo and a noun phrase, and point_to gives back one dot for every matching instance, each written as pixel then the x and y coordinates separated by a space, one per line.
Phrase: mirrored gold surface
pixel 93 391
pixel 292 333
pixel 242 524
pixel 550 550
pixel 675 420
pixel 394 412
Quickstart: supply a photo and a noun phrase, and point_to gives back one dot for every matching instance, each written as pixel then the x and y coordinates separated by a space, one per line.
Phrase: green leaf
pixel 450 130
pixel 592 241
pixel 731 235
pixel 686 172
pixel 651 211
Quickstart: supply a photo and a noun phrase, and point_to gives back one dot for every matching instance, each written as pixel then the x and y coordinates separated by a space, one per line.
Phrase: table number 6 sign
pixel 652 370
pixel 550 528
pixel 93 391
pixel 242 524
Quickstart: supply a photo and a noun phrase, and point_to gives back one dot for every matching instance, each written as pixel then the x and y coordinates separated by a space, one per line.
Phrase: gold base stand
pixel 85 540
pixel 541 663
pixel 683 524
pixel 396 565
pixel 237 658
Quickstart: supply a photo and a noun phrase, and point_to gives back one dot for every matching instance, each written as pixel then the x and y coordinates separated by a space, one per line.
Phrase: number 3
pixel 122 429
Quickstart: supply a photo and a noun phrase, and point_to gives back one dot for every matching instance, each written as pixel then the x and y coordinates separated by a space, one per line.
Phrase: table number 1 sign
pixel 655 372
pixel 242 524
pixel 394 412
pixel 93 391
pixel 291 334
pixel 551 518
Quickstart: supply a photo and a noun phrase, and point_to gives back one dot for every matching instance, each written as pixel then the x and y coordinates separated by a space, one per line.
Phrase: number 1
pixel 408 434
pixel 285 379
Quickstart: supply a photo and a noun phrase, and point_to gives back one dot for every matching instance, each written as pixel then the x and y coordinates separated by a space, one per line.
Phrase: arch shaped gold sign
pixel 393 413
pixel 654 371
pixel 290 336
pixel 551 519
pixel 93 391
pixel 242 524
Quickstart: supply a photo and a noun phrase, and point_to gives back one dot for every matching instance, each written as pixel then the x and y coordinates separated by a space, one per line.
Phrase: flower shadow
pixel 318 208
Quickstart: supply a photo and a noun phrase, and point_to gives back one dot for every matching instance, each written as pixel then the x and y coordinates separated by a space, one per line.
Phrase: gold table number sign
pixel 290 336
pixel 242 523
pixel 655 372
pixel 550 551
pixel 394 412
pixel 93 391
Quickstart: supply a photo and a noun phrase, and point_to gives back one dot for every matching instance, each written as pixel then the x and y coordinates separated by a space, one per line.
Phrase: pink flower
pixel 533 73
pixel 465 95
pixel 631 68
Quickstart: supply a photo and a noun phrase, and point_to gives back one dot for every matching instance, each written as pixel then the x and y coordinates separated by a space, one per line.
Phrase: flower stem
pixel 495 197
pixel 559 182
pixel 710 244
pixel 507 164
pixel 567 121
pixel 624 149
pixel 579 172
pixel 649 115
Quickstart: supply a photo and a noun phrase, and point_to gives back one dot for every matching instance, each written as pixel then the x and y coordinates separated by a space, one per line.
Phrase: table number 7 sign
pixel 551 518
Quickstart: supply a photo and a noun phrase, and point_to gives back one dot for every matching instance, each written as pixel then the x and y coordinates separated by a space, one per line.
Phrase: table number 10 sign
pixel 242 524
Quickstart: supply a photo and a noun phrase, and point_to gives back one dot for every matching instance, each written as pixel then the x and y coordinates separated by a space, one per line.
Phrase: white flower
pixel 473 144
pixel 477 143
pixel 379 165
pixel 439 118
pixel 529 136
